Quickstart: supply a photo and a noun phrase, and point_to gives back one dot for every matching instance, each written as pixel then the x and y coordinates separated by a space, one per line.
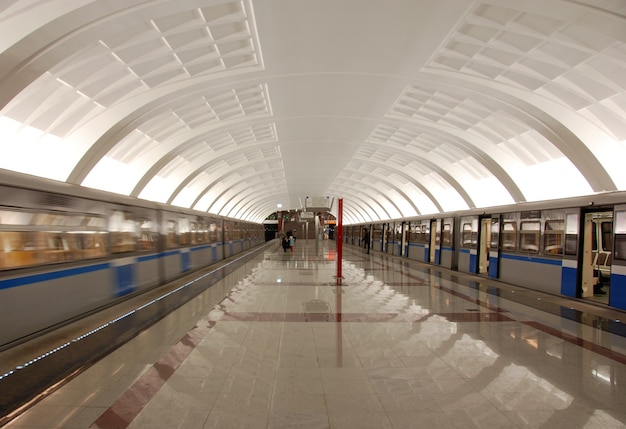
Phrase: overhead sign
pixel 307 215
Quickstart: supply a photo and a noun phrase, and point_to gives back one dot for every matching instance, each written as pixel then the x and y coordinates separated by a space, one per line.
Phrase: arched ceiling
pixel 400 107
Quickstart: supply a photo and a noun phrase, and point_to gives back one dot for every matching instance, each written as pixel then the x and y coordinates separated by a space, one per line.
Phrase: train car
pixel 66 250
pixel 573 247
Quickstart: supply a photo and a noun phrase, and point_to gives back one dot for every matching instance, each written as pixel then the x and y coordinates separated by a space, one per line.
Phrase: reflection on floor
pixel 396 345
pixel 603 296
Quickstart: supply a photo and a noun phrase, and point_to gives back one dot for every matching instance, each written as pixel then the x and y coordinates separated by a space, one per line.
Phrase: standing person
pixel 366 240
pixel 292 241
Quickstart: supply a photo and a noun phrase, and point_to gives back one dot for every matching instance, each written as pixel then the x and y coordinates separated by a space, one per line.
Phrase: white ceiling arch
pixel 401 107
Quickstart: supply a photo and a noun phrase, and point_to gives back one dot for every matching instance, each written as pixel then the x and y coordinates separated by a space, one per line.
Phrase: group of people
pixel 288 240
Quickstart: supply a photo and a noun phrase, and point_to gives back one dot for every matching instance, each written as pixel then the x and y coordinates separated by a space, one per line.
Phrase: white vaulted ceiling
pixel 400 107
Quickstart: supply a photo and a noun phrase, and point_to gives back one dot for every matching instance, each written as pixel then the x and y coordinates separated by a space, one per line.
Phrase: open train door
pixel 596 255
pixel 484 245
pixel 489 243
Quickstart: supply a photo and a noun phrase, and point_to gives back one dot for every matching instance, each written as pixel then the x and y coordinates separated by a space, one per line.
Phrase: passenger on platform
pixel 285 242
pixel 366 240
pixel 292 241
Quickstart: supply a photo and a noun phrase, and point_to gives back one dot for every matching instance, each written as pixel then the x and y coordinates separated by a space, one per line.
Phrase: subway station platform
pixel 276 343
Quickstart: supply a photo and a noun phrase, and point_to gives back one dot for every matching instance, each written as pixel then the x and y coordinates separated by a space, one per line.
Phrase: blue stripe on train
pixel 35 278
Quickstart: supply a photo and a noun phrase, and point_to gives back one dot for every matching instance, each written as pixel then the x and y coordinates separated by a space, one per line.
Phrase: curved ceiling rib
pixel 215 181
pixel 403 174
pixel 436 134
pixel 218 156
pixel 151 106
pixel 478 103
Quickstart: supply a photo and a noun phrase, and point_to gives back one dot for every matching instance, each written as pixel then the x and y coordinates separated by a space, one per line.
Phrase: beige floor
pixel 395 346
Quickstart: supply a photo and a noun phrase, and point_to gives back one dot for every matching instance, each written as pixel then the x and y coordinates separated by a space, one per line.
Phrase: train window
pixel 421 232
pixel 606 229
pixel 553 237
pixel 148 235
pixel 206 230
pixel 620 235
pixel 184 231
pixel 571 234
pixel 469 231
pixel 215 232
pixel 509 235
pixel 171 235
pixel 199 232
pixel 226 231
pixel 95 244
pixel 412 237
pixel 31 238
pixel 123 231
pixel 530 232
pixel 425 231
pixel 495 233
pixel 466 235
pixel 446 235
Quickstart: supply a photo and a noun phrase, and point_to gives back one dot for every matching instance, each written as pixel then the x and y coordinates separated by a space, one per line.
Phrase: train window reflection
pixel 553 237
pixel 147 239
pixel 529 236
pixel 509 235
pixel 571 234
pixel 123 230
pixel 171 236
pixel 469 231
pixel 446 235
pixel 184 231
pixel 32 238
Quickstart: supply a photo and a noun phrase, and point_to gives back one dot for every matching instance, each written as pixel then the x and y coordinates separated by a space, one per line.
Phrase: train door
pixel 397 239
pixel 570 264
pixel 484 245
pixel 377 237
pixel 387 233
pixel 404 242
pixel 597 247
pixel 383 240
pixel 494 247
pixel 435 242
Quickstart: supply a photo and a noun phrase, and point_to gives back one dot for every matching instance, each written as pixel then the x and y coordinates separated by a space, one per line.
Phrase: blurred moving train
pixel 66 250
pixel 573 247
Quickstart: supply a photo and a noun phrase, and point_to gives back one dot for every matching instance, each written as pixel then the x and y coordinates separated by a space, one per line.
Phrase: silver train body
pixel 66 251
pixel 573 247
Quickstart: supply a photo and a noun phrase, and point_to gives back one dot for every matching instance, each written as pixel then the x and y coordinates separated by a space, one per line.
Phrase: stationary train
pixel 573 247
pixel 67 250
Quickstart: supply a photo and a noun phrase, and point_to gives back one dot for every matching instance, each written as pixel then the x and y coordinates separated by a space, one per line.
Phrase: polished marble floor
pixel 396 345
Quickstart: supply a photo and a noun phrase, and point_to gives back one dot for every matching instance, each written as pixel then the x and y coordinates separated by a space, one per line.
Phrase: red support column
pixel 339 238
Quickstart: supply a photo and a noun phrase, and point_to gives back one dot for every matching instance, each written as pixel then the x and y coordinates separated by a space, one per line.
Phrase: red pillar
pixel 339 238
